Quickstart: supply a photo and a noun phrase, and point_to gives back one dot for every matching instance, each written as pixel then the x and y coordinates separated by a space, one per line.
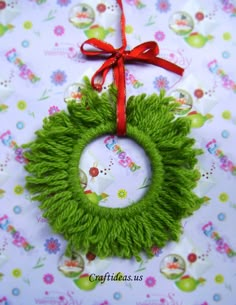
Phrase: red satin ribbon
pixel 145 52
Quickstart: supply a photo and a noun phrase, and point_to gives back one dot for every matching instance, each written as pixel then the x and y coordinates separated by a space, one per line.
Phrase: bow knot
pixel 145 52
pixel 119 54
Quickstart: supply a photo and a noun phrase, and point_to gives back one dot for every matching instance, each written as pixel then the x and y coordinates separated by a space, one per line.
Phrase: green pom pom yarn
pixel 54 180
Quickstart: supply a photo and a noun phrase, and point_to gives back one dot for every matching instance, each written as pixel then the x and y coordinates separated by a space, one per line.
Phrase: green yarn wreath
pixel 53 164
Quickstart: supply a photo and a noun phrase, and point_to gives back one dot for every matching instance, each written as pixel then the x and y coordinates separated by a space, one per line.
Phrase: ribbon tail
pixel 167 65
pixel 150 57
pixel 99 76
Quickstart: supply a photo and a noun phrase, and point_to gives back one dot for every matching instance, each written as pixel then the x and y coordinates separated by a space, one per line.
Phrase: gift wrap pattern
pixel 41 69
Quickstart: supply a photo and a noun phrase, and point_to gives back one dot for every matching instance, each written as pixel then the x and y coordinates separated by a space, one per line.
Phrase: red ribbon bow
pixel 145 52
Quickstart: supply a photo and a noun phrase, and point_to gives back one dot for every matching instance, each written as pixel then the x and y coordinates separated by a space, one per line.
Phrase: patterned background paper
pixel 41 68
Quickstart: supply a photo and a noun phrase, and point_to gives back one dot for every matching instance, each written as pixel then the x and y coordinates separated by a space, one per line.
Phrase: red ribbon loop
pixel 115 58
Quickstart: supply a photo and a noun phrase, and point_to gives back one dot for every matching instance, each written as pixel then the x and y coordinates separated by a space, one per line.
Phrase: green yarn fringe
pixel 53 164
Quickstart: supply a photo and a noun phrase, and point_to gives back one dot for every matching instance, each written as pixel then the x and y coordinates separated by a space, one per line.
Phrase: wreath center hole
pixel 114 172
